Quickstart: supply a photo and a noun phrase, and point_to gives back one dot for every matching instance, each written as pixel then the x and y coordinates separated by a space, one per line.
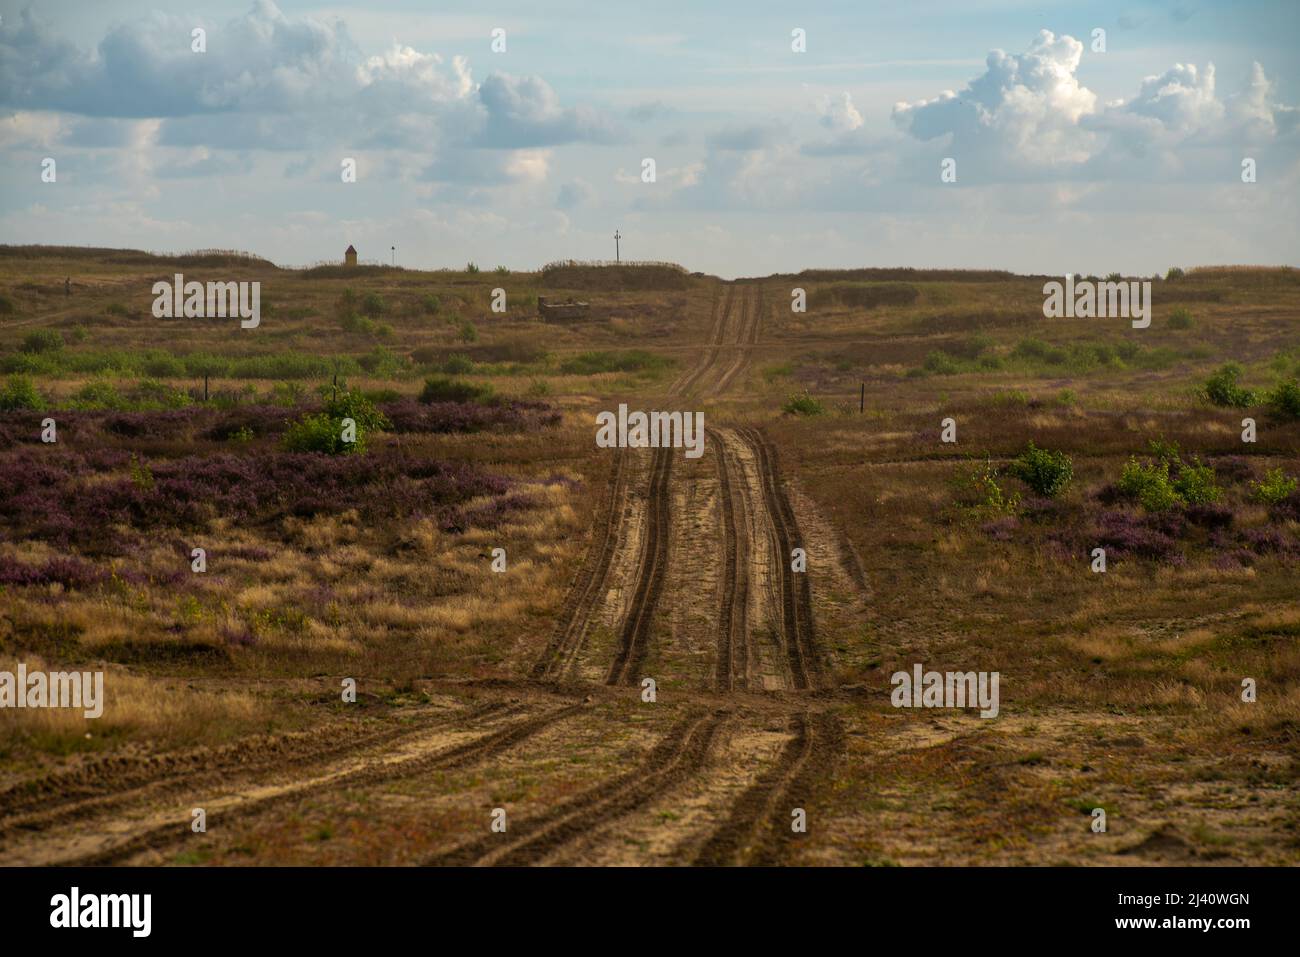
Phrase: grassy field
pixel 1120 690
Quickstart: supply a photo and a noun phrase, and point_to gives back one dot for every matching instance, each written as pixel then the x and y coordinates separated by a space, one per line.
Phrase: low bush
pixel 1284 400
pixel 630 360
pixel 446 389
pixel 42 340
pixel 20 395
pixel 1047 473
pixel 801 403
pixel 1149 484
pixel 1276 488
pixel 1195 484
pixel 976 489
pixel 319 432
pixel 1222 389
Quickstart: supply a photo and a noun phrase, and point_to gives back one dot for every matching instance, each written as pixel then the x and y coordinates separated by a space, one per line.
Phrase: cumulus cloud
pixel 261 61
pixel 839 113
pixel 268 81
pixel 525 111
pixel 1024 107
pixel 1028 115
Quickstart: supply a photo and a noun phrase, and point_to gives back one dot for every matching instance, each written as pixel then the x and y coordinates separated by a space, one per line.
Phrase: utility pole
pixel 617 237
pixel 394 249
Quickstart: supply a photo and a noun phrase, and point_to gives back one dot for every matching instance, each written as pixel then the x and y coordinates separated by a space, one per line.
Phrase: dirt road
pixel 741 740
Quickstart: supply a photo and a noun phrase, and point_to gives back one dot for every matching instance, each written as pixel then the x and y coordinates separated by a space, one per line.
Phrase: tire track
pixel 758 830
pixel 747 335
pixel 110 784
pixel 371 774
pixel 587 589
pixel 796 593
pixel 635 638
pixel 733 665
pixel 681 754
pixel 717 337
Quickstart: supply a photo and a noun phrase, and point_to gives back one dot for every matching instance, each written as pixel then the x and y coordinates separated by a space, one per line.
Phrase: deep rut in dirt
pixel 757 831
pixel 717 336
pixel 368 774
pixel 796 593
pixel 733 664
pixel 635 637
pixel 110 783
pixel 682 753
pixel 746 335
pixel 589 587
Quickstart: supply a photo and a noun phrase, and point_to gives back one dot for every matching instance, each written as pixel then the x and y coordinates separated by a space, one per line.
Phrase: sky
pixel 1072 150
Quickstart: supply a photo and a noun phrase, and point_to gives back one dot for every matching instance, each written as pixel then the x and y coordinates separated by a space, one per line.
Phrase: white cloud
pixel 839 113
pixel 1027 116
pixel 1025 108
pixel 268 81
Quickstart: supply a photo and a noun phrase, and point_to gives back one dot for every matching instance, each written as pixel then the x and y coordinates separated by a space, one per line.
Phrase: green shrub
pixel 471 267
pixel 1165 451
pixel 940 363
pixel 1276 487
pixel 458 364
pixel 42 340
pixel 1039 351
pixel 539 387
pixel 356 323
pixel 1284 400
pixel 1195 484
pixel 1174 273
pixel 1149 484
pixel 7 306
pixel 801 403
pixel 1222 389
pixel 1009 397
pixel 319 432
pixel 150 394
pixel 141 475
pixel 630 360
pixel 444 389
pixel 977 489
pixel 432 304
pixel 201 364
pixel 158 364
pixel 467 332
pixel 502 270
pixel 117 309
pixel 349 404
pixel 1046 472
pixel 287 393
pixel 20 395
pixel 373 305
pixel 1180 318
pixel 98 396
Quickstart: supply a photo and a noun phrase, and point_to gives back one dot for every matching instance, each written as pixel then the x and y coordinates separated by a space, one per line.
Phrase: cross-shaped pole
pixel 617 237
